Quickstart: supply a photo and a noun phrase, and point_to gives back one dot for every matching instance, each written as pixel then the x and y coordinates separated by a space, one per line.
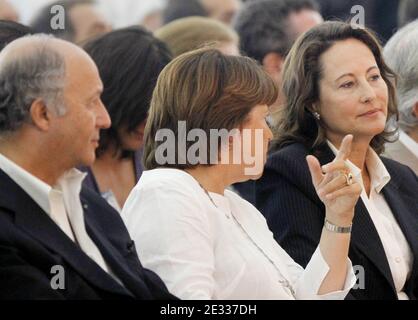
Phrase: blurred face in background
pixel 132 140
pixel 87 22
pixel 8 12
pixel 153 20
pixel 298 23
pixel 229 48
pixel 303 20
pixel 222 10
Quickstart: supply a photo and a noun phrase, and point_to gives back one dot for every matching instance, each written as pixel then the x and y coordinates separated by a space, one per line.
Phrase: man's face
pixel 303 20
pixel 77 131
pixel 299 22
pixel 222 10
pixel 87 22
pixel 8 12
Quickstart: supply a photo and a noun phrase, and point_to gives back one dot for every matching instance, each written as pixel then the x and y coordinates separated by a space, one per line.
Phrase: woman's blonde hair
pixel 208 90
pixel 187 34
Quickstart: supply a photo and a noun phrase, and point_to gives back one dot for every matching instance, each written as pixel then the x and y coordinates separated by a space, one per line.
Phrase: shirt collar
pixel 37 189
pixel 379 176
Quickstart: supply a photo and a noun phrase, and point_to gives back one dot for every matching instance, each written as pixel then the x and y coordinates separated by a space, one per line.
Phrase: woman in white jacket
pixel 203 240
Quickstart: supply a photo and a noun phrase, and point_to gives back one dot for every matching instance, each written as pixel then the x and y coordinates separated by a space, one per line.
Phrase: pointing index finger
pixel 345 148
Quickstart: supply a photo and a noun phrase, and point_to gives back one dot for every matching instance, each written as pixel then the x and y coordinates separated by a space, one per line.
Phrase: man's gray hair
pixel 401 54
pixel 36 73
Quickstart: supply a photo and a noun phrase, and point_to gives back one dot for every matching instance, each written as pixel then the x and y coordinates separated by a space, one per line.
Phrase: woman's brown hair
pixel 301 76
pixel 208 90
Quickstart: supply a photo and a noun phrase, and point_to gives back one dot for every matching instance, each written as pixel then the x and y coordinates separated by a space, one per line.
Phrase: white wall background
pixel 119 12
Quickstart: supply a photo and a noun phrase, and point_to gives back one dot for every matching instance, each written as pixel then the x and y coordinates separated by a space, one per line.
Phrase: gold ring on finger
pixel 349 179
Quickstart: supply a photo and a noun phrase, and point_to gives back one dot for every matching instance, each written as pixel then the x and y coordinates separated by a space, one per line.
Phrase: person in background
pixel 125 13
pixel 379 15
pixel 8 11
pixel 50 118
pixel 10 31
pixel 152 20
pixel 267 30
pixel 401 54
pixel 203 240
pixel 221 10
pixel 407 12
pixel 336 82
pixel 191 33
pixel 82 21
pixel 129 61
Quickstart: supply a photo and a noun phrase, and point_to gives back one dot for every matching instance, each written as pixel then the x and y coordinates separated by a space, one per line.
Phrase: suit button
pixel 85 206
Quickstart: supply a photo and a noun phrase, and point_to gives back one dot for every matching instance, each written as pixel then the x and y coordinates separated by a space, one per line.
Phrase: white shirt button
pixel 398 260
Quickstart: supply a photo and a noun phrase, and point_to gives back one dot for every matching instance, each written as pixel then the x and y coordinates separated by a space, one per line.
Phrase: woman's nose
pixel 368 93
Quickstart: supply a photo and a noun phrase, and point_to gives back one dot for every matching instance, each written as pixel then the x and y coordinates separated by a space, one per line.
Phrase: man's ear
pixel 40 114
pixel 415 110
pixel 273 63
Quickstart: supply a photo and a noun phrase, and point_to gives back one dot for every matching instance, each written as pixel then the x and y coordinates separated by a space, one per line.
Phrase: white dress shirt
pixel 215 250
pixel 405 151
pixel 395 245
pixel 61 202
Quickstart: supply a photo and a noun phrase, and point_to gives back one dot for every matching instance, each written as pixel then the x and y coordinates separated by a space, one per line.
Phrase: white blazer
pixel 203 251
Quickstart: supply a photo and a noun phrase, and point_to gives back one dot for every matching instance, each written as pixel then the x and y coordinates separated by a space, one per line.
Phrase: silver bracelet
pixel 337 229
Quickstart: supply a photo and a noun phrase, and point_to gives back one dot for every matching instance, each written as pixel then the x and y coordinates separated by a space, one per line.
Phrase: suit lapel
pixel 366 238
pixel 114 258
pixel 35 222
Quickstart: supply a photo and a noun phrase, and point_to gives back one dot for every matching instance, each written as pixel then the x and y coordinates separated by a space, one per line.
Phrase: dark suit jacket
pixel 31 244
pixel 287 198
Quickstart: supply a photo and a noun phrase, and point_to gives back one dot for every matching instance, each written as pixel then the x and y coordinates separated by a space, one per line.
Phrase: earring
pixel 317 115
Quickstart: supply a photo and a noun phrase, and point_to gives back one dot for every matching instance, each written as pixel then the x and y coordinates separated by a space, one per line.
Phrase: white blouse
pixel 397 249
pixel 203 251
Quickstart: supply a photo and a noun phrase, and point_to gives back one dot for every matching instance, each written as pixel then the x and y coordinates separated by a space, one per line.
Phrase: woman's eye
pixel 347 85
pixel 375 77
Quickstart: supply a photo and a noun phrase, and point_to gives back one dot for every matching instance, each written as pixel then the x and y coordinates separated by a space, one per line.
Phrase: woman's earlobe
pixel 314 110
pixel 316 115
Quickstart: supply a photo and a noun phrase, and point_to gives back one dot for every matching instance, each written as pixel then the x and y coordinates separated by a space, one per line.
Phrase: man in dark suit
pixel 58 241
pixel 295 215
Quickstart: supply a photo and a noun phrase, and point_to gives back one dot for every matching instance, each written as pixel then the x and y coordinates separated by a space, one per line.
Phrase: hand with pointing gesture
pixel 335 186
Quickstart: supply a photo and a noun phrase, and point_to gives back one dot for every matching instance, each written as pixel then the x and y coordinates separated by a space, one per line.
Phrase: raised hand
pixel 334 187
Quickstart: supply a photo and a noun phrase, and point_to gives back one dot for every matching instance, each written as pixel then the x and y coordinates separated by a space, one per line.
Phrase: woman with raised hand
pixel 337 83
pixel 203 240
